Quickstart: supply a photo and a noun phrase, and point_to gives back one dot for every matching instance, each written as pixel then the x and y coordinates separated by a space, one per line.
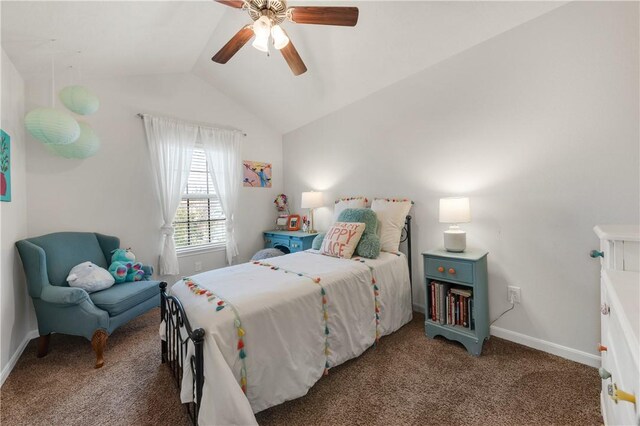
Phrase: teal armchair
pixel 59 308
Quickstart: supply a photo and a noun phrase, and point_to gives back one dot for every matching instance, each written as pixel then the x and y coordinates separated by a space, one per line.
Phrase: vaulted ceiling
pixel 392 40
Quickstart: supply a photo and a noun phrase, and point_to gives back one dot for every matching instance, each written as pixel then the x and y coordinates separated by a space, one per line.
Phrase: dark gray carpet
pixel 406 380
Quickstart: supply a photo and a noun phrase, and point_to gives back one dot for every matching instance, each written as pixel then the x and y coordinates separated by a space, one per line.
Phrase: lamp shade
pixel 79 99
pixel 52 126
pixel 87 145
pixel 311 200
pixel 280 39
pixel 262 27
pixel 455 210
pixel 262 44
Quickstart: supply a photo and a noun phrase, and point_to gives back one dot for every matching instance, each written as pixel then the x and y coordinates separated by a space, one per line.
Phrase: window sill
pixel 193 251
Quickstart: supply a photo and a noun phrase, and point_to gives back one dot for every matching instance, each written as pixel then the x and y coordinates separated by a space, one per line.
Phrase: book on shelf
pixel 451 305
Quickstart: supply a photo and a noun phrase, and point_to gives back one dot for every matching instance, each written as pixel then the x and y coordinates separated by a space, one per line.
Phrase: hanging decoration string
pixel 53 76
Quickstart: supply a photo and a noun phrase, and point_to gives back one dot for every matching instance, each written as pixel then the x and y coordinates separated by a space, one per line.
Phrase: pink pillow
pixel 341 239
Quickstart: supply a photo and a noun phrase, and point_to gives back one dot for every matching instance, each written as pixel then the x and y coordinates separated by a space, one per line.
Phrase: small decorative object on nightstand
pixel 311 200
pixel 288 241
pixel 455 210
pixel 282 206
pixel 457 301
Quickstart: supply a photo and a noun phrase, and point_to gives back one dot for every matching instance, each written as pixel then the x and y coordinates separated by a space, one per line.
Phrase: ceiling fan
pixel 267 15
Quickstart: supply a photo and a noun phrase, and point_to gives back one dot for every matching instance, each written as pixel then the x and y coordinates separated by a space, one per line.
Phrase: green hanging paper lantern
pixel 52 126
pixel 86 146
pixel 79 100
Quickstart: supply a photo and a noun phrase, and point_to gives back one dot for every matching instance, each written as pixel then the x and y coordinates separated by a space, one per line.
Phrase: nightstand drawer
pixel 449 269
pixel 277 241
pixel 295 245
pixel 288 241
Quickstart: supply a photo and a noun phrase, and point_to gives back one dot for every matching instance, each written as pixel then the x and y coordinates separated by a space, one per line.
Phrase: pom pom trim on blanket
pixel 220 304
pixel 376 294
pixel 325 304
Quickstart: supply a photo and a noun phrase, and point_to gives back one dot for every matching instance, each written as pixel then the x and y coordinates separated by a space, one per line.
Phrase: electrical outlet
pixel 513 294
pixel 197 266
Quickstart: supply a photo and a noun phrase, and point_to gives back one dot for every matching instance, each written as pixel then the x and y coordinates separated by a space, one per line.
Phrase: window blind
pixel 199 221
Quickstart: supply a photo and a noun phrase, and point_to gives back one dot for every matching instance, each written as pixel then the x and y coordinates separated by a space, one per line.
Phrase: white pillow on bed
pixel 391 214
pixel 348 203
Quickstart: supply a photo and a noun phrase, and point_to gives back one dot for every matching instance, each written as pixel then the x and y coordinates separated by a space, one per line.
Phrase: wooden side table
pixel 288 241
pixel 457 273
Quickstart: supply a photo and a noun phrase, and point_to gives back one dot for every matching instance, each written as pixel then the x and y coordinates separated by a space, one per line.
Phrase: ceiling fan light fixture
pixel 262 30
pixel 267 15
pixel 280 39
pixel 262 27
pixel 261 43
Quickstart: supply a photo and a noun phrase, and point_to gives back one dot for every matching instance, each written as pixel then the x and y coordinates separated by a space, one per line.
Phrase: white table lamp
pixel 455 210
pixel 311 200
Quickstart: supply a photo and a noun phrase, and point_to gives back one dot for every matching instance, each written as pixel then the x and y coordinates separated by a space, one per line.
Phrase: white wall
pixel 538 126
pixel 113 192
pixel 16 311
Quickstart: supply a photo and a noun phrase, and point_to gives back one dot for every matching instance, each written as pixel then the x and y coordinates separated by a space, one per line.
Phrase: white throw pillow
pixel 341 239
pixel 348 203
pixel 391 214
pixel 90 277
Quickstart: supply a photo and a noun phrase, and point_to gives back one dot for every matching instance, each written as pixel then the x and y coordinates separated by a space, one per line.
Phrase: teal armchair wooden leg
pixel 98 343
pixel 43 345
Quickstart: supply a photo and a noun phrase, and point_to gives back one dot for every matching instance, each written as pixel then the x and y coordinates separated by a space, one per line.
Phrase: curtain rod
pixel 141 115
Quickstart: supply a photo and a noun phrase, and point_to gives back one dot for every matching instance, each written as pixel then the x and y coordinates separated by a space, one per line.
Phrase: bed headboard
pixel 406 237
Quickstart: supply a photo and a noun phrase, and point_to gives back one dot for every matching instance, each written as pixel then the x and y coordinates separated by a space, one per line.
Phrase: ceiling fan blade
pixel 232 3
pixel 233 45
pixel 293 59
pixel 344 16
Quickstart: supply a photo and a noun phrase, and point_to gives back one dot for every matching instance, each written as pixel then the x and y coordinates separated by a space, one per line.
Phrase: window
pixel 199 221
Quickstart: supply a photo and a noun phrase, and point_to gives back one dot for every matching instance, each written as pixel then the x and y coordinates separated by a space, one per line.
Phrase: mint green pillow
pixel 369 244
pixel 317 241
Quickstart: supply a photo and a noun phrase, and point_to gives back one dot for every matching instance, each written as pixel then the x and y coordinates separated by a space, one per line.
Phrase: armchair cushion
pixel 122 297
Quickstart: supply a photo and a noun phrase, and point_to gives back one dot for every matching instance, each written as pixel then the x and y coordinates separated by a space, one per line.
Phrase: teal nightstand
pixel 288 241
pixel 458 308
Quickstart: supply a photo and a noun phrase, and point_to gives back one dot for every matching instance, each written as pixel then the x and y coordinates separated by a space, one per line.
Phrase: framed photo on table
pixel 293 222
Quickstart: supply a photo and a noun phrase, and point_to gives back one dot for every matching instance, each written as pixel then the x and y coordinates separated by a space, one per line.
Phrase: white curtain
pixel 222 149
pixel 171 146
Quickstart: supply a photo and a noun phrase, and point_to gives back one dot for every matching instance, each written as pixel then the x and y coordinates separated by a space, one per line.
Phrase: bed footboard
pixel 178 333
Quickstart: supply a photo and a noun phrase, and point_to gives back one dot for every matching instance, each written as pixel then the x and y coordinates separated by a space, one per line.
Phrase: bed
pixel 268 330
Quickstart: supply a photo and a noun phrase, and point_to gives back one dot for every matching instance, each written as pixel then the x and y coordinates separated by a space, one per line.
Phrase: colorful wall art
pixel 5 166
pixel 257 174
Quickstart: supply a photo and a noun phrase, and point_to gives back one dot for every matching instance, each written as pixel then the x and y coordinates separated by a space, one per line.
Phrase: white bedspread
pixel 281 314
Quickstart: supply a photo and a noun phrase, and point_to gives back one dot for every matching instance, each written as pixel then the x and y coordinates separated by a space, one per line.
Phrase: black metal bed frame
pixel 178 333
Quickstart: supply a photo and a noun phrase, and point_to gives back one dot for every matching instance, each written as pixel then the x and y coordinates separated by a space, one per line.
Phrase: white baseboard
pixel 16 355
pixel 602 410
pixel 418 308
pixel 542 345
pixel 545 346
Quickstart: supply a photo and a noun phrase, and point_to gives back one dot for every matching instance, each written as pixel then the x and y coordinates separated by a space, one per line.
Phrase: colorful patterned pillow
pixel 348 203
pixel 341 239
pixel 391 214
